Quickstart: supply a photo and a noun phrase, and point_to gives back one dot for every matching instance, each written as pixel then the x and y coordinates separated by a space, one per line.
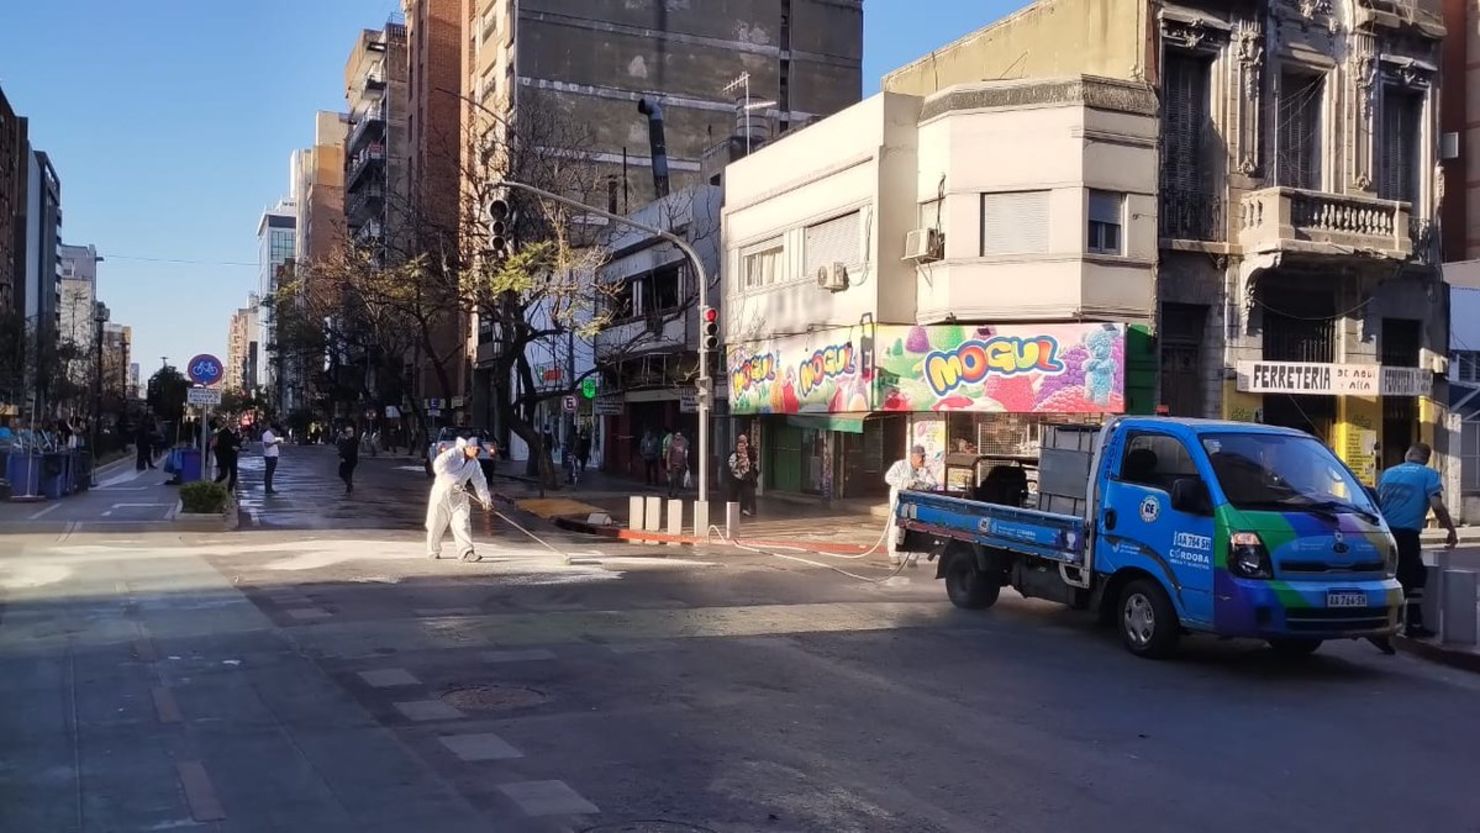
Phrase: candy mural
pixel 818 372
pixel 1061 369
pixel 1049 369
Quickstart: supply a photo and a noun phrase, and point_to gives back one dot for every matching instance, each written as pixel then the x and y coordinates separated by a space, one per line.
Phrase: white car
pixel 447 438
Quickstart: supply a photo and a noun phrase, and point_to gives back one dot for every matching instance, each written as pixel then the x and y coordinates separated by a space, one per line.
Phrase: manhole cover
pixel 487 698
pixel 648 827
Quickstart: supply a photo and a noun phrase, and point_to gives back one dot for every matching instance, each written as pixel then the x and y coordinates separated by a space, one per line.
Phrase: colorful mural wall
pixel 1050 369
pixel 820 372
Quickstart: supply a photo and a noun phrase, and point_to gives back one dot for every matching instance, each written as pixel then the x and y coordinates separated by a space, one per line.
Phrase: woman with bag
pixel 743 473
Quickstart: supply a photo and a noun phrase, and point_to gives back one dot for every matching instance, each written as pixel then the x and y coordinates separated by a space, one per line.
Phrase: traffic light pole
pixel 706 389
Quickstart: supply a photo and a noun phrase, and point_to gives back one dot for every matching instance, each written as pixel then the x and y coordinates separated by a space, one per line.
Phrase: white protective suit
pixel 903 475
pixel 448 506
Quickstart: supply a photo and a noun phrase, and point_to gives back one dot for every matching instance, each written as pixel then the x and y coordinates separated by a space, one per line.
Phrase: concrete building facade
pixel 78 280
pixel 242 346
pixel 377 149
pixel 874 259
pixel 14 167
pixel 1297 199
pixel 277 233
pixel 318 190
pixel 576 72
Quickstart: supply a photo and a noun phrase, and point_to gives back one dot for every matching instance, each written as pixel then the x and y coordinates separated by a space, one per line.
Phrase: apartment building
pixel 1460 120
pixel 76 324
pixel 377 150
pixel 14 153
pixel 890 279
pixel 1297 199
pixel 240 373
pixel 118 343
pixel 727 76
pixel 318 174
pixel 277 233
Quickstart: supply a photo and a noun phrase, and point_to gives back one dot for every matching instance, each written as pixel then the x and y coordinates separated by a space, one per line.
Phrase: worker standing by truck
pixel 1405 493
pixel 909 473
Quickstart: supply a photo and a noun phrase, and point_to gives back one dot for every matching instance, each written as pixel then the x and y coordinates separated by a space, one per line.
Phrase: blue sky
pixel 170 123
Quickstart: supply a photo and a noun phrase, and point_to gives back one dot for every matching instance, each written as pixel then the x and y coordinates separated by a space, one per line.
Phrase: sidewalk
pixel 122 500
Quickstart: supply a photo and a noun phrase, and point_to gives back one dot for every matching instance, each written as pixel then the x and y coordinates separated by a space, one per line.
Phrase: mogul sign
pixel 820 372
pixel 1322 379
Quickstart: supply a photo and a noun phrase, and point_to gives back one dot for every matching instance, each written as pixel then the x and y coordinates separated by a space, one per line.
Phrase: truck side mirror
pixel 1190 495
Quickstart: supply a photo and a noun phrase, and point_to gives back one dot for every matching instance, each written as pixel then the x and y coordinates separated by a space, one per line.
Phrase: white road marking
pixel 547 798
pixel 388 677
pixel 483 746
pixel 37 515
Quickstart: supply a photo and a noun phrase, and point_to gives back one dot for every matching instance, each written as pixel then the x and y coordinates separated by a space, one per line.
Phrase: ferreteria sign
pixel 1320 379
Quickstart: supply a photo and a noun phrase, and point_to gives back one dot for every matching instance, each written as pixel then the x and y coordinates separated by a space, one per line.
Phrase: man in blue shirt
pixel 1405 493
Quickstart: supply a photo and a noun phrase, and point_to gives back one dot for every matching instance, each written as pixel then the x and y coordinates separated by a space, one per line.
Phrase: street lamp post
pixel 100 317
pixel 705 387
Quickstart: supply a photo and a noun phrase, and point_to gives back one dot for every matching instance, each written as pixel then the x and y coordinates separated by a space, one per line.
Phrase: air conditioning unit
pixel 833 277
pixel 1433 361
pixel 924 245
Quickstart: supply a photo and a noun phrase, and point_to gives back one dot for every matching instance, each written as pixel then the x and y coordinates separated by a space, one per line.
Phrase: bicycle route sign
pixel 205 369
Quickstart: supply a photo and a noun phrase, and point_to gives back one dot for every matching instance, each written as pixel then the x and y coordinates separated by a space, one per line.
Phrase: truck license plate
pixel 1346 598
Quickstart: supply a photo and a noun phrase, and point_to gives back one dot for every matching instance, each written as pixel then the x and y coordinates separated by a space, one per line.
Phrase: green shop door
pixel 783 457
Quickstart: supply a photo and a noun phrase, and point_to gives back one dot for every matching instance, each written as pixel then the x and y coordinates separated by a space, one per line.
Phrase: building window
pixel 1105 211
pixel 1401 138
pixel 1467 367
pixel 489 22
pixel 832 241
pixel 1470 458
pixel 762 265
pixel 1189 208
pixel 1299 130
pixel 1015 222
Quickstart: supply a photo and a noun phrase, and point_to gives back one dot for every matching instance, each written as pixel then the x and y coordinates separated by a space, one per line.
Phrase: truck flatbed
pixel 1047 535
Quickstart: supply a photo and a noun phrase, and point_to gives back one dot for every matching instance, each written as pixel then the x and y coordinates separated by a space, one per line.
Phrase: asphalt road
pixel 328 678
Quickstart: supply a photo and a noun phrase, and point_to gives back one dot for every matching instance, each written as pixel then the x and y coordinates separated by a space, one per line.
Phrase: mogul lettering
pixel 827 363
pixel 972 361
pixel 753 371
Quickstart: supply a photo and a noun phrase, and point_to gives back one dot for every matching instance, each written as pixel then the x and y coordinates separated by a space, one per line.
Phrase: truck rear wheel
pixel 1148 622
pixel 968 587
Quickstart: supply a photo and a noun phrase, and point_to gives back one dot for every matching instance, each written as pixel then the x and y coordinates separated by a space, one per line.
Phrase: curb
pixel 1452 657
pixel 643 536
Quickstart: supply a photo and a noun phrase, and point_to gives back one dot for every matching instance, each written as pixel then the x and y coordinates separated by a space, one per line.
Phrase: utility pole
pixel 706 389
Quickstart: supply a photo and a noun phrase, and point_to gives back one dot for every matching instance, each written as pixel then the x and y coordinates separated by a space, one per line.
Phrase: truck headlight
pixel 1247 556
pixel 1391 564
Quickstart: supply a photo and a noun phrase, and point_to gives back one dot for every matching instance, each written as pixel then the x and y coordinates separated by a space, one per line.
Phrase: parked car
pixel 447 438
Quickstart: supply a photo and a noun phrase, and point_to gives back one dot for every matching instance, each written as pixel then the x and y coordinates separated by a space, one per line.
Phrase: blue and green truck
pixel 1170 526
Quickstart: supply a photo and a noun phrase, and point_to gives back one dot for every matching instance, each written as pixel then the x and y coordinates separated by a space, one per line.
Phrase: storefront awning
pixel 847 423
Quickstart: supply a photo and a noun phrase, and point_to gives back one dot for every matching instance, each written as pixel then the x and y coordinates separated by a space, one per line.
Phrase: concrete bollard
pixel 1437 562
pixel 675 520
pixel 732 520
pixel 701 519
pixel 635 506
pixel 653 515
pixel 1458 622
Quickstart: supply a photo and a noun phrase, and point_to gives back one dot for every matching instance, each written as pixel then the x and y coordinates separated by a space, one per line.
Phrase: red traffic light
pixel 711 315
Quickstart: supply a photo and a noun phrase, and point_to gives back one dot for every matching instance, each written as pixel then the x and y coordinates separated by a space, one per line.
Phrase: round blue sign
pixel 205 369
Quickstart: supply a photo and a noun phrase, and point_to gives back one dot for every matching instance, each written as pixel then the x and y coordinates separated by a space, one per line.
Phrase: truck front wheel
pixel 968 587
pixel 1148 622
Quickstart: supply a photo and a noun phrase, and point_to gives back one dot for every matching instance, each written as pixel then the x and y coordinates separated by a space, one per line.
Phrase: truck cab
pixel 1232 529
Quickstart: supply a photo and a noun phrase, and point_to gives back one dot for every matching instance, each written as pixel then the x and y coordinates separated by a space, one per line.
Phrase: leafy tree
pixel 167 392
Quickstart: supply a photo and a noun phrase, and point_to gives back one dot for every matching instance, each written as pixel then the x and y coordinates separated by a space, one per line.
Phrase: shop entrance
pixel 1314 415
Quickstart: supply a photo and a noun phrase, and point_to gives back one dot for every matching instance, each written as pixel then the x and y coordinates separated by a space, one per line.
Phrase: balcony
pixel 369 125
pixel 1294 220
pixel 364 203
pixel 363 161
pixel 1192 214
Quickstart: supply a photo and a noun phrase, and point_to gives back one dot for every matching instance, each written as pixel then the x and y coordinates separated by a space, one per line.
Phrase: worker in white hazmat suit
pixel 456 470
pixel 905 474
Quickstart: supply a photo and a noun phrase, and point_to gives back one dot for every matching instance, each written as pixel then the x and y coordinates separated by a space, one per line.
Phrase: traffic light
pixel 500 226
pixel 708 329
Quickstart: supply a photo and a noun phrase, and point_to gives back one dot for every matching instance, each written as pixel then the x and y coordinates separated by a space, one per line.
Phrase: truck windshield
pixel 1284 473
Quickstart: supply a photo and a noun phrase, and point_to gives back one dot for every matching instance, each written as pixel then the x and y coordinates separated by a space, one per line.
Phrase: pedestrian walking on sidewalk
pixel 144 443
pixel 583 448
pixel 272 438
pixel 349 457
pixel 649 449
pixel 228 448
pixel 1405 493
pixel 676 457
pixel 456 470
pixel 743 474
pixel 909 473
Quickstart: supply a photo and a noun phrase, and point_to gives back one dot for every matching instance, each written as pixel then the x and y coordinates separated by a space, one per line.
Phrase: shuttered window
pixel 1189 210
pixel 833 241
pixel 1104 222
pixel 1398 151
pixel 1015 222
pixel 762 265
pixel 1299 130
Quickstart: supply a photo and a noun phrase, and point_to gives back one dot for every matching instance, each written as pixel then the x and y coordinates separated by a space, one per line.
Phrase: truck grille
pixel 1325 567
pixel 1338 619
